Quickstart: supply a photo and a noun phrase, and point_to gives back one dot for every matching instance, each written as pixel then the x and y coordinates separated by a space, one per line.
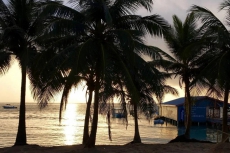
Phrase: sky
pixel 10 82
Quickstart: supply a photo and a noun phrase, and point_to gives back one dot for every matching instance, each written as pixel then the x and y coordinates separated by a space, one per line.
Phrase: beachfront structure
pixel 204 109
pixel 118 113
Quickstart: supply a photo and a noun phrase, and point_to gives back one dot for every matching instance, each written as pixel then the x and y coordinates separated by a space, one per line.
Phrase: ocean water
pixel 44 129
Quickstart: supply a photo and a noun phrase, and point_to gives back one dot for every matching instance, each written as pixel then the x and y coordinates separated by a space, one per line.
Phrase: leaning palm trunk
pixel 137 138
pixel 188 106
pixel 225 116
pixel 87 116
pixel 92 138
pixel 21 134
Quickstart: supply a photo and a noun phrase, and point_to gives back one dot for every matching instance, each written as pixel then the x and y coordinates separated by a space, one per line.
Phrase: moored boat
pixel 8 106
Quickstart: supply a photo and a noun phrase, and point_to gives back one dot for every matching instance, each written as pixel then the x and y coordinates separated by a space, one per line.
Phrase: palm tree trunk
pixel 225 115
pixel 87 115
pixel 21 134
pixel 92 138
pixel 188 107
pixel 137 138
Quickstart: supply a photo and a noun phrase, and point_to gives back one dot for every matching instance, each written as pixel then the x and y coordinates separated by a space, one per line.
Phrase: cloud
pixel 168 8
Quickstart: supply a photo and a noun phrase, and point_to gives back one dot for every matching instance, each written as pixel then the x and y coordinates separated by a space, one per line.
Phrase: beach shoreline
pixel 177 147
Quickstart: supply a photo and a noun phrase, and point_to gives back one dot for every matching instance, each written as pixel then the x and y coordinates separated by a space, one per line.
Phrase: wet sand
pixel 178 147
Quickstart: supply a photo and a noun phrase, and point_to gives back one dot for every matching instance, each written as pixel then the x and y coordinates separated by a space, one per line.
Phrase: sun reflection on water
pixel 70 119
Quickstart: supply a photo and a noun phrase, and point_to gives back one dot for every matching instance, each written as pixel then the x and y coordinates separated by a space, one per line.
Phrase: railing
pixel 220 133
pixel 219 146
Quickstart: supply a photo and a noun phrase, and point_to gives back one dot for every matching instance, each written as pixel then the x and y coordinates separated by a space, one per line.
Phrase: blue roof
pixel 180 101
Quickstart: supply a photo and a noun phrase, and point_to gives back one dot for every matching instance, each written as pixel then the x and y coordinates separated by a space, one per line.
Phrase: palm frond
pixel 5 61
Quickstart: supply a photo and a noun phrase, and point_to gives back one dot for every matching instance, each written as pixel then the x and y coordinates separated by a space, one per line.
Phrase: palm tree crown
pixel 185 47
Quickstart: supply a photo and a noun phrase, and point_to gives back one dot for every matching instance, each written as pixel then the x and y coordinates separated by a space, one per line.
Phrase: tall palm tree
pixel 104 30
pixel 150 83
pixel 20 24
pixel 46 86
pixel 111 21
pixel 86 75
pixel 184 47
pixel 218 53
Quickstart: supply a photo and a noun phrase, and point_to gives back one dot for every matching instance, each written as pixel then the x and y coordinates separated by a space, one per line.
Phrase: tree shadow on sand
pixel 182 138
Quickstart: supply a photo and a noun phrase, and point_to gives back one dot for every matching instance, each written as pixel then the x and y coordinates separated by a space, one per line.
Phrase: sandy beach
pixel 178 147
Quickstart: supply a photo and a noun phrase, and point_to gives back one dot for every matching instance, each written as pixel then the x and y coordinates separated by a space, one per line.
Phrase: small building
pixel 203 108
pixel 118 113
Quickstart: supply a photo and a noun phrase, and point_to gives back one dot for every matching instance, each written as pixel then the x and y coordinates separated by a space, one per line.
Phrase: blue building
pixel 203 108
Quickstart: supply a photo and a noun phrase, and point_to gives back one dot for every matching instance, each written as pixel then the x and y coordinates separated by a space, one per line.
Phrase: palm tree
pixel 183 42
pixel 149 82
pixel 105 30
pixel 87 75
pixel 20 24
pixel 46 86
pixel 218 54
pixel 113 15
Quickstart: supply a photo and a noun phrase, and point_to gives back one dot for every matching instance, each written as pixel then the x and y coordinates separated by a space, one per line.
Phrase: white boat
pixel 8 106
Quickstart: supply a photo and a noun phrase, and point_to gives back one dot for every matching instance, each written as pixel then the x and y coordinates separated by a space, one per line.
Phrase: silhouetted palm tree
pixel 216 62
pixel 46 86
pixel 104 30
pixel 184 47
pixel 150 83
pixel 21 22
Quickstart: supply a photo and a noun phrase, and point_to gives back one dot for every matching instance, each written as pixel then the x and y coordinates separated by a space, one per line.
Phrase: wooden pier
pixel 212 122
pixel 217 122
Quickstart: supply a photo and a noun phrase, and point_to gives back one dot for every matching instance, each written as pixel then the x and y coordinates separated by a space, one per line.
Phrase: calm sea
pixel 44 129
